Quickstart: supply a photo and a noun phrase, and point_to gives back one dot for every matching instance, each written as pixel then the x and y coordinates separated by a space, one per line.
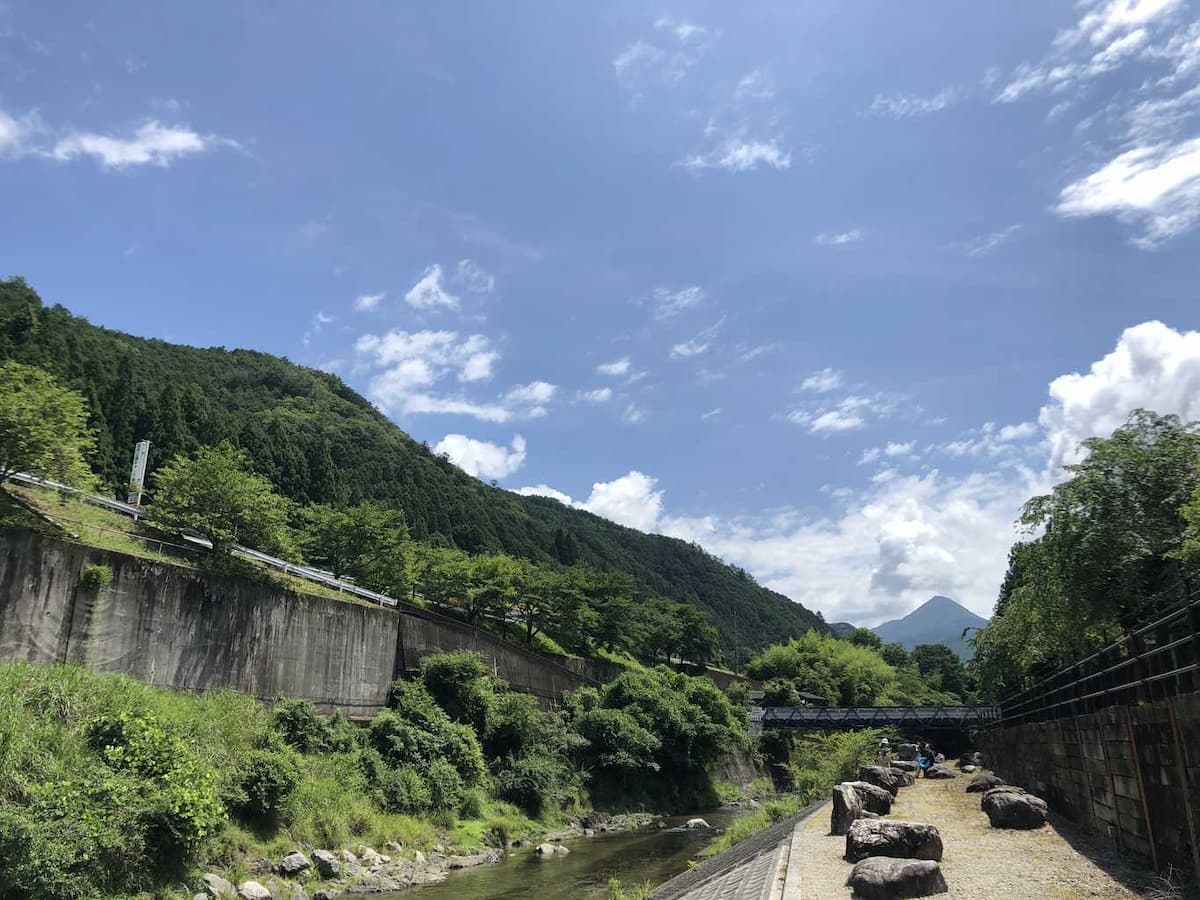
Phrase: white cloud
pixel 152 143
pixel 481 458
pixel 1152 366
pixel 421 403
pixel 837 238
pixel 848 414
pixel 366 302
pixel 668 302
pixel 429 292
pixel 531 399
pixel 823 381
pixel 599 395
pixel 742 153
pixel 631 500
pixel 544 490
pixel 908 106
pixel 616 368
pixel 986 244
pixel 470 277
pixel 17 135
pixel 634 414
pixel 712 413
pixel 688 348
pixel 313 230
pixel 1156 187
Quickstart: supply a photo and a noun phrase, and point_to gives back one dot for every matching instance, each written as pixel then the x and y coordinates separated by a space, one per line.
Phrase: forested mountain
pixel 939 620
pixel 320 442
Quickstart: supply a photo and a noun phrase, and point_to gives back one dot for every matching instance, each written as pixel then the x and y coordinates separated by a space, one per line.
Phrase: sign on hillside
pixel 137 475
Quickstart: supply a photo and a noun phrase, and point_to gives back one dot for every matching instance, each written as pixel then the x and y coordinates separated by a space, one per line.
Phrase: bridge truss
pixel 841 718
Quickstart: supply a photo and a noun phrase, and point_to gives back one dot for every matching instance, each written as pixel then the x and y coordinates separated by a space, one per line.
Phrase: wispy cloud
pixel 741 153
pixel 599 395
pixel 823 381
pixel 699 344
pixel 367 302
pixel 910 106
pixel 670 302
pixel 848 414
pixel 838 238
pixel 986 244
pixel 635 415
pixel 617 367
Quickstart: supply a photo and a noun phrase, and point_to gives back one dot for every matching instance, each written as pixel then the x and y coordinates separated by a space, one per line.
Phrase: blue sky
pixel 830 288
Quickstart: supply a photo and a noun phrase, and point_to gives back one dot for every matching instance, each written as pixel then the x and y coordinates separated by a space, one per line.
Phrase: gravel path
pixel 979 862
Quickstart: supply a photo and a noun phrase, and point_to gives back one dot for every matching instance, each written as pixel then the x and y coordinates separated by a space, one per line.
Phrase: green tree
pixel 940 662
pixel 43 427
pixel 865 637
pixel 366 542
pixel 214 494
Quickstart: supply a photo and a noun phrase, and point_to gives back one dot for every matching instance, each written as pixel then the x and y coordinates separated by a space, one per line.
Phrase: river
pixel 648 854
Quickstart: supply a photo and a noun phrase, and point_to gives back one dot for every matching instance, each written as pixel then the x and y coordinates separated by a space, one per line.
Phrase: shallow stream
pixel 648 854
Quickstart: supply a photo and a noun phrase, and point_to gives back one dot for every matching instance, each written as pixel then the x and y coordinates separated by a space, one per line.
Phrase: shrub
pixel 95 578
pixel 403 790
pixel 462 684
pixel 269 780
pixel 471 806
pixel 445 786
pixel 516 724
pixel 299 724
pixel 343 736
pixel 534 783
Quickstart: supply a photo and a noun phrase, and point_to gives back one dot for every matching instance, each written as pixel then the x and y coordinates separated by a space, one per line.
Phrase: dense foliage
pixel 43 427
pixel 317 441
pixel 1108 549
pixel 858 672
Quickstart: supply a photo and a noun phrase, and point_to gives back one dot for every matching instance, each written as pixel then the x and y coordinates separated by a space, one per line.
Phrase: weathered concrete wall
pixel 1129 773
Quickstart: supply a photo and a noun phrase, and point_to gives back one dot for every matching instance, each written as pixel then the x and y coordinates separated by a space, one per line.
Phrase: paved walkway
pixel 799 860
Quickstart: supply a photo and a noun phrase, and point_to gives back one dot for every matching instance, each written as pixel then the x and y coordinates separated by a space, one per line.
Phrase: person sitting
pixel 925 759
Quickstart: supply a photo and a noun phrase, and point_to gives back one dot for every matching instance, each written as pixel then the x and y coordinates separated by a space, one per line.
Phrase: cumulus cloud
pixel 908 106
pixel 429 292
pixel 531 399
pixel 599 395
pixel 617 367
pixel 1152 366
pixel 366 302
pixel 742 153
pixel 481 458
pixel 1155 187
pixel 848 414
pixel 153 144
pixel 633 499
pixel 544 490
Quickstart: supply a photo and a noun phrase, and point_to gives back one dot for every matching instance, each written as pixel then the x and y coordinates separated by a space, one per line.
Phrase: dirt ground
pixel 979 862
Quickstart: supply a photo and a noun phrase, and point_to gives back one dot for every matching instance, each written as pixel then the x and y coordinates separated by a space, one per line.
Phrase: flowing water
pixel 649 854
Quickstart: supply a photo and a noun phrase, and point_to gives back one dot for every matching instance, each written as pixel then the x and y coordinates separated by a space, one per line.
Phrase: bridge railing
pixel 809 717
pixel 1154 662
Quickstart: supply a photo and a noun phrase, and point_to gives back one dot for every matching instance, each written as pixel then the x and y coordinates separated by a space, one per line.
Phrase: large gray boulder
pixel 939 771
pixel 903 778
pixel 880 878
pixel 693 824
pixel 887 837
pixel 252 890
pixel 906 764
pixel 986 800
pixel 293 864
pixel 847 807
pixel 874 798
pixel 327 863
pixel 908 752
pixel 880 777
pixel 984 782
pixel 216 886
pixel 1023 811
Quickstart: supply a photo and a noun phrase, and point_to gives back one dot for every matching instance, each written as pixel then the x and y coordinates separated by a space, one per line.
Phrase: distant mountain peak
pixel 939 620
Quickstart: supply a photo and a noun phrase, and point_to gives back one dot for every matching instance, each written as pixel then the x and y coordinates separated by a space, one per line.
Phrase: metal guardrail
pixel 821 718
pixel 288 568
pixel 1154 662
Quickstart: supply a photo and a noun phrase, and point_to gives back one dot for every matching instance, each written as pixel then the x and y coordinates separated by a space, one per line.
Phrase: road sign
pixel 137 475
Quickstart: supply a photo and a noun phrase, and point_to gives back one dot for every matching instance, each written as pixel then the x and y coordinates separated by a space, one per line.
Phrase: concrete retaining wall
pixel 179 628
pixel 1131 774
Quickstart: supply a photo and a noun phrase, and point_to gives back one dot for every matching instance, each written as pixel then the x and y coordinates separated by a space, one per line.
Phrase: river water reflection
pixel 650 854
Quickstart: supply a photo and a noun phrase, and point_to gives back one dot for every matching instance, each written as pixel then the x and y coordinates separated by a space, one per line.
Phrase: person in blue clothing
pixel 925 759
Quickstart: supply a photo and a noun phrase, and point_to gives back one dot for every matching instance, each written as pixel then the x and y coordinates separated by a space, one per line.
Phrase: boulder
pixel 252 890
pixel 880 878
pixel 984 782
pixel 968 769
pixel 696 823
pixel 545 851
pixel 908 752
pixel 874 798
pixel 939 771
pixel 215 886
pixel 419 857
pixel 903 777
pixel 349 857
pixel 847 807
pixel 906 765
pixel 888 837
pixel 293 864
pixel 880 777
pixel 324 895
pixel 1023 811
pixel 985 800
pixel 328 865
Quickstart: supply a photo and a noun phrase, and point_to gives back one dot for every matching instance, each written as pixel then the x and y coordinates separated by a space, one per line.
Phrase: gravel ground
pixel 979 862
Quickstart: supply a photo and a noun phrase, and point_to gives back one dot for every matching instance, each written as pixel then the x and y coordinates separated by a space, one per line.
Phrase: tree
pixel 940 662
pixel 365 542
pixel 43 427
pixel 214 494
pixel 864 637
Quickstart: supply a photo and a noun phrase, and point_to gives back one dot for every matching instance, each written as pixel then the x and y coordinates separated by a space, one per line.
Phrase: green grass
pixel 16 515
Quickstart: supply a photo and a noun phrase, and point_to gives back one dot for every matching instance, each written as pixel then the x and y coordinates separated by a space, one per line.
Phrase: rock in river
pixel 697 823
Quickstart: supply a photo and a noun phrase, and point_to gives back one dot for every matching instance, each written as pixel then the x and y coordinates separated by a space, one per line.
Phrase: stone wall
pixel 1131 774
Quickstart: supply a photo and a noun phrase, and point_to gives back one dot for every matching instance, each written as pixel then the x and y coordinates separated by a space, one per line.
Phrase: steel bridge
pixel 813 718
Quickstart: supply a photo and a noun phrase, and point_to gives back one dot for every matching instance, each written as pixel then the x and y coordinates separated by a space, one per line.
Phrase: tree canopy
pixel 43 427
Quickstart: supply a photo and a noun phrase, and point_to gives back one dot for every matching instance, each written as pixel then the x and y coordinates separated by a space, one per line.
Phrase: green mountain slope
pixel 319 441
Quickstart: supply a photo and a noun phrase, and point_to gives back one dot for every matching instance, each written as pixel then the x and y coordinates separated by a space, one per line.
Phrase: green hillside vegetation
pixel 1109 549
pixel 110 788
pixel 318 442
